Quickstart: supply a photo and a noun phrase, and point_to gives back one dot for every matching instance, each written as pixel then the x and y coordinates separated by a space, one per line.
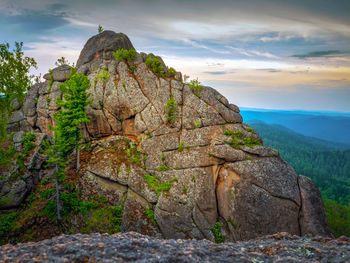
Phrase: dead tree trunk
pixel 77 166
pixel 58 200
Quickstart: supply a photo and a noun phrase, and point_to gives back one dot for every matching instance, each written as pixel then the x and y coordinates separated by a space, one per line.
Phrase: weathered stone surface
pixel 60 73
pixel 18 137
pixel 257 212
pixel 16 117
pixel 201 136
pixel 115 124
pixel 98 125
pixel 272 174
pixel 137 182
pixel 260 150
pixel 161 143
pixel 149 82
pixel 99 186
pixel 188 158
pixel 196 112
pixel 227 153
pixel 12 193
pixel 313 215
pixel 29 105
pixel 148 119
pixel 134 217
pixel 16 182
pixel 205 212
pixel 15 105
pixel 174 209
pixel 102 45
pixel 220 104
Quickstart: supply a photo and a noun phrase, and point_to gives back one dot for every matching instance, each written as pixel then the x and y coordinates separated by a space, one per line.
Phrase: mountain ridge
pixel 161 156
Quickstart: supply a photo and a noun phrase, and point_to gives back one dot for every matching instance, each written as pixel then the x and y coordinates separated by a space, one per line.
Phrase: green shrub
pixel 249 129
pixel 228 220
pixel 237 137
pixel 132 68
pixel 7 223
pixel 156 65
pixel 125 54
pixel 7 155
pixel 163 167
pixel 28 142
pixel 103 76
pixel 163 156
pixel 197 124
pixel 196 87
pixel 181 147
pixel 171 109
pixel 218 235
pixel 171 72
pixel 104 219
pixel 134 155
pixel 150 215
pixel 157 185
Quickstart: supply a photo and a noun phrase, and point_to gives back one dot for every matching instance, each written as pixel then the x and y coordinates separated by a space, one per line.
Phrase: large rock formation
pixel 204 168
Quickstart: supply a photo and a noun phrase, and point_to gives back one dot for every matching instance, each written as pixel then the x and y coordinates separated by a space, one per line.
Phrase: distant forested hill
pixel 322 126
pixel 327 167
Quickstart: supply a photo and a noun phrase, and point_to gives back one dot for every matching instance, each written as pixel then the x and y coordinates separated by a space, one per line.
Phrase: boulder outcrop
pixel 203 169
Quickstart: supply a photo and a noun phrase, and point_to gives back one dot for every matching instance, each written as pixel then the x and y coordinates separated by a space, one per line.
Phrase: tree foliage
pixel 66 137
pixel 338 217
pixel 14 80
pixel 75 99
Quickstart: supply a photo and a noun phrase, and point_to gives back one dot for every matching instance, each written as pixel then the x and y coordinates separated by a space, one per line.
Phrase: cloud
pixel 272 70
pixel 326 53
pixel 215 72
pixel 197 45
pixel 250 53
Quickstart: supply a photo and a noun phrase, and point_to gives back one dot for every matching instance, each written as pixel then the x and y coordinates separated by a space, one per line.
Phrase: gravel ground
pixel 134 247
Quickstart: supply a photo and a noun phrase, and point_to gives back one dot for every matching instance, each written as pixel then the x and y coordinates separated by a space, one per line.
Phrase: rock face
pixel 177 179
pixel 101 47
pixel 16 181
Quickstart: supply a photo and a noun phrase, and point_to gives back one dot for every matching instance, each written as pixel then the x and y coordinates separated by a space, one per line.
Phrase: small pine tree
pixel 56 160
pixel 100 29
pixel 67 132
pixel 72 115
pixel 61 61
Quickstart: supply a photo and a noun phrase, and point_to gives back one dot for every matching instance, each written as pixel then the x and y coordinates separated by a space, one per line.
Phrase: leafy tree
pixel 14 80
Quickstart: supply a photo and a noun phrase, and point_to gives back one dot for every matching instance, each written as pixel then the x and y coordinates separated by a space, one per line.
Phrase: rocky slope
pixel 203 168
pixel 134 247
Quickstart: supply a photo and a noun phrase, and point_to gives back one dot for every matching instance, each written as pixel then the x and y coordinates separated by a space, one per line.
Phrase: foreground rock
pixel 134 247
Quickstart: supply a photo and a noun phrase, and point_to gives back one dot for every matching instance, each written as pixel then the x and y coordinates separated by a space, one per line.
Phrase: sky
pixel 275 54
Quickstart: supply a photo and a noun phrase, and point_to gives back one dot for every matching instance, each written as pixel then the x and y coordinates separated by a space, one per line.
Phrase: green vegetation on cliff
pixel 125 54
